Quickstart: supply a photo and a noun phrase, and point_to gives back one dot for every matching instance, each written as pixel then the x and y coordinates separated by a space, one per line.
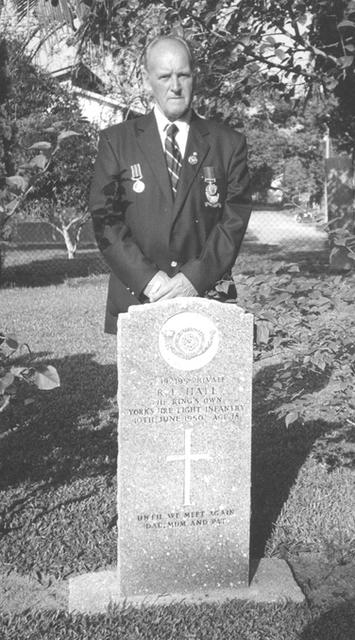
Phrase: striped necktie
pixel 173 156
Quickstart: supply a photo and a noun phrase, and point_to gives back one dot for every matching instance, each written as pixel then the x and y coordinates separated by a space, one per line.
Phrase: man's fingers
pixel 162 293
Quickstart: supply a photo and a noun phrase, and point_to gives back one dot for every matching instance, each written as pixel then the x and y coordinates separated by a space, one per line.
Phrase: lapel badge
pixel 136 176
pixel 211 188
pixel 193 159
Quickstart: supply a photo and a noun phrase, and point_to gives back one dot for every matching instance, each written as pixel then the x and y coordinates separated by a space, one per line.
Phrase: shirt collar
pixel 163 122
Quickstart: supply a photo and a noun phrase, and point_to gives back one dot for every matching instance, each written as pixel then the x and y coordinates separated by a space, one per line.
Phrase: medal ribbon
pixel 209 174
pixel 136 171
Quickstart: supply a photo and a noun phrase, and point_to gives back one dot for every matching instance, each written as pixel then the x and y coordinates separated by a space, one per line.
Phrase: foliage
pixel 47 175
pixel 286 57
pixel 311 325
pixel 7 133
pixel 16 366
pixel 292 145
pixel 300 48
pixel 294 53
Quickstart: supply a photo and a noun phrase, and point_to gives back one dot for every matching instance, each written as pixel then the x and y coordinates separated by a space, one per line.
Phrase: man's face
pixel 169 77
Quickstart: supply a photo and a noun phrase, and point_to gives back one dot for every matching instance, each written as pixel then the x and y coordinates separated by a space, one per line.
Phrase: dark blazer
pixel 141 233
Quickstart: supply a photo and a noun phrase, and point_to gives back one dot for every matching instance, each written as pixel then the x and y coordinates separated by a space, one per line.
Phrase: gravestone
pixel 184 379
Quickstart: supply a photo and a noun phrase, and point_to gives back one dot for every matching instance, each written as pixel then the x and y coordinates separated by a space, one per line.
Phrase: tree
pixel 47 175
pixel 302 48
pixel 7 135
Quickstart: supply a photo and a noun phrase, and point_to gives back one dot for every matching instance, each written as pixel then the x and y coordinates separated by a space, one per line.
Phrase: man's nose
pixel 175 84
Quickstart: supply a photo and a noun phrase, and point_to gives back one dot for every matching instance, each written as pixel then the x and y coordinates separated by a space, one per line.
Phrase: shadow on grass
pixel 51 268
pixel 45 267
pixel 277 454
pixel 335 624
pixel 310 262
pixel 67 433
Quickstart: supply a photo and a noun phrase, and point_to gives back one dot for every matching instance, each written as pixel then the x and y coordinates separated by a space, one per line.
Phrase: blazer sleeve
pixel 222 246
pixel 113 236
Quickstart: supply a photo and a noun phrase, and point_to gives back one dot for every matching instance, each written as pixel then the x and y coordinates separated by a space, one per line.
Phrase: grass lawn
pixel 58 486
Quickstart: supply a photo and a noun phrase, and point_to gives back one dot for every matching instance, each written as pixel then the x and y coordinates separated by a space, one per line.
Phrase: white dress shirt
pixel 183 126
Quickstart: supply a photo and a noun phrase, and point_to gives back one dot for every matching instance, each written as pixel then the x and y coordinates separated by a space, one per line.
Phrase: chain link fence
pixel 36 254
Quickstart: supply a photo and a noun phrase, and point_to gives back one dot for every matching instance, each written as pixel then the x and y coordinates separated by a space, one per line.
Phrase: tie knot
pixel 171 130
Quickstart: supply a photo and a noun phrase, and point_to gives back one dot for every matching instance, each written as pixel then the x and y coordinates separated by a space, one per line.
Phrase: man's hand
pixel 159 281
pixel 179 285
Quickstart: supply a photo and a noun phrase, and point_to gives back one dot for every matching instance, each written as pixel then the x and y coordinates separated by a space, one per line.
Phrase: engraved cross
pixel 188 457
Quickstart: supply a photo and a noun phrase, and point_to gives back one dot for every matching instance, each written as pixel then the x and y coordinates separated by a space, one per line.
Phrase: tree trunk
pixel 71 246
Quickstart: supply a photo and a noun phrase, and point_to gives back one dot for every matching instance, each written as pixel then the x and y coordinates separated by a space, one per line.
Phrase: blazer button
pixel 173 263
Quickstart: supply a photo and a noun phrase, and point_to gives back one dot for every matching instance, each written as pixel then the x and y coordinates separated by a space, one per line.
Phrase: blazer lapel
pixel 149 140
pixel 197 146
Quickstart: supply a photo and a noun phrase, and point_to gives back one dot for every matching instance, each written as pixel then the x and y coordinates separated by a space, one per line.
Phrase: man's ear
pixel 146 82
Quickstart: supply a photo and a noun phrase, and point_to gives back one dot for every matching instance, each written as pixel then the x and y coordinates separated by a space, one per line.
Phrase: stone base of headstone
pixel 272 581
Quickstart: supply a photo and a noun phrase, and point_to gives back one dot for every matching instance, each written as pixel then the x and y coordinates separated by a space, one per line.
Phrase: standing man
pixel 169 197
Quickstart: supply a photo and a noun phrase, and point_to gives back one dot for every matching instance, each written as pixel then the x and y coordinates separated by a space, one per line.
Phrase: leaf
pixel 267 315
pixel 67 134
pixel 11 205
pixel 39 161
pixel 28 401
pixel 17 183
pixel 42 146
pixel 280 54
pixel 346 23
pixel 291 417
pixel 320 302
pixel 46 378
pixel 11 341
pixel 277 385
pixel 331 83
pixel 346 61
pixel 262 333
pixel 4 402
pixel 19 372
pixel 282 298
pixel 6 381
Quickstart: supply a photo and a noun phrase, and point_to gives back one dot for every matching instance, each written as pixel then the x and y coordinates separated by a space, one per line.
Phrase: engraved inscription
pixel 186 518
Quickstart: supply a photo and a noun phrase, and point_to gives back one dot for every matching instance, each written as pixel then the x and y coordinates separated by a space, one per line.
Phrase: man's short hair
pixel 161 38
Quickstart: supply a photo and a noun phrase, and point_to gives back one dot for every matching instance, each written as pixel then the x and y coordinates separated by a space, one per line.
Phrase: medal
pixel 211 188
pixel 136 176
pixel 212 199
pixel 193 159
pixel 138 186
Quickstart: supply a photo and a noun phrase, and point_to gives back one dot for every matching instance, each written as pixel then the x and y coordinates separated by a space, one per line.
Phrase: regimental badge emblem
pixel 193 159
pixel 188 340
pixel 211 188
pixel 137 177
